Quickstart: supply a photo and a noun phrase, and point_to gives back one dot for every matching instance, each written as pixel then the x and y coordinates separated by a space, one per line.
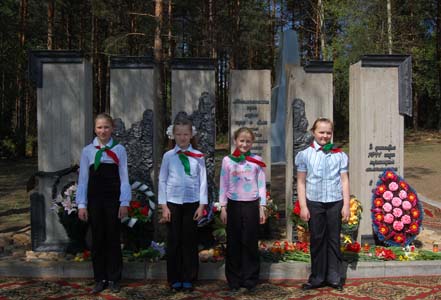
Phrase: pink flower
pixel 403 194
pixel 398 226
pixel 397 212
pixel 406 205
pixel 406 219
pixel 388 195
pixel 389 218
pixel 396 201
pixel 387 207
pixel 393 186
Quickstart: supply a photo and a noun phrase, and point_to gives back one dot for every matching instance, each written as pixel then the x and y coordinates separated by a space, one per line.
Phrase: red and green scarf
pixel 183 156
pixel 329 147
pixel 238 156
pixel 109 152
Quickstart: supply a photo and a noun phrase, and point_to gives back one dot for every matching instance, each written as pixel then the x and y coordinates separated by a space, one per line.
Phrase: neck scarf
pixel 109 152
pixel 237 156
pixel 328 148
pixel 183 156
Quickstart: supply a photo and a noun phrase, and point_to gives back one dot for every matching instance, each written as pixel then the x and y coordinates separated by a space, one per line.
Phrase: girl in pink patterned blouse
pixel 242 195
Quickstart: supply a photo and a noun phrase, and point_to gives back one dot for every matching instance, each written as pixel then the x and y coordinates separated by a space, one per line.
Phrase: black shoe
pixel 337 286
pixel 99 287
pixel 187 287
pixel 309 286
pixel 176 286
pixel 114 286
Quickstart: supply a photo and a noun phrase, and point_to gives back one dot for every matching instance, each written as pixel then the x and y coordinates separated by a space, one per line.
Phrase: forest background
pixel 237 34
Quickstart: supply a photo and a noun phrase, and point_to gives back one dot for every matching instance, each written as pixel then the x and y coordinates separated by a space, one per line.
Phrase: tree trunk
pixel 389 26
pixel 438 55
pixel 50 24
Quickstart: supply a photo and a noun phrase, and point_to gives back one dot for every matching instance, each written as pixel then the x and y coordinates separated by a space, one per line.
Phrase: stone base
pixel 213 271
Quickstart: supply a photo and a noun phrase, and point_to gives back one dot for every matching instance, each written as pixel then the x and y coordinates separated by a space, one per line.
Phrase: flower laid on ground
pixel 295 216
pixel 285 251
pixel 82 256
pixel 353 247
pixel 397 213
pixel 212 255
pixel 154 252
pixel 384 253
pixel 350 226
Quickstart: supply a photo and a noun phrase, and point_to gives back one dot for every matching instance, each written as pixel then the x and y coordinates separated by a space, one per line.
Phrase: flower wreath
pixel 170 135
pixel 141 209
pixel 397 213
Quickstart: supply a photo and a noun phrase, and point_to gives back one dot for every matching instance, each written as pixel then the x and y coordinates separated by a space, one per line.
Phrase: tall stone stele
pixel 380 92
pixel 65 125
pixel 309 96
pixel 250 106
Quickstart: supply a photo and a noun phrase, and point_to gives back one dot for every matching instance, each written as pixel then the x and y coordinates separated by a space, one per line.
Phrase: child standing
pixel 103 196
pixel 182 196
pixel 323 192
pixel 242 195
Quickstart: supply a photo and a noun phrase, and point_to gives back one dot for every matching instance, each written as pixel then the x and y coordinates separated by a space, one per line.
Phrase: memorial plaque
pixel 376 132
pixel 250 106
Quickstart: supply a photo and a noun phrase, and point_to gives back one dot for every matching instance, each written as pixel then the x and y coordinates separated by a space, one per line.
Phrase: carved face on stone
pixel 182 135
pixel 244 142
pixel 323 133
pixel 103 130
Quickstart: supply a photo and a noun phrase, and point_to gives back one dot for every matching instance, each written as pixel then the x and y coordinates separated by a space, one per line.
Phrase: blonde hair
pixel 324 120
pixel 244 129
pixel 104 116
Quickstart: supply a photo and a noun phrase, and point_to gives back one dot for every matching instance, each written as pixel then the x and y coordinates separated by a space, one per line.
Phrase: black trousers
pixel 242 263
pixel 182 243
pixel 324 228
pixel 106 246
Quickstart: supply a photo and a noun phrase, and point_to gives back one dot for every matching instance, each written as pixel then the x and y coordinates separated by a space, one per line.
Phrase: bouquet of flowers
pixel 397 213
pixel 66 208
pixel 219 228
pixel 139 230
pixel 271 207
pixel 350 226
pixel 295 216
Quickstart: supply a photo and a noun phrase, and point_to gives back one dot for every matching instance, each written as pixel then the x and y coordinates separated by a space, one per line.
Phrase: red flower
pixel 414 227
pixel 353 247
pixel 296 208
pixel 399 238
pixel 145 211
pixel 379 217
pixel 381 189
pixel 411 197
pixel 214 209
pixel 415 213
pixel 204 212
pixel 135 204
pixel 390 175
pixel 86 254
pixel 404 185
pixel 383 229
pixel 378 202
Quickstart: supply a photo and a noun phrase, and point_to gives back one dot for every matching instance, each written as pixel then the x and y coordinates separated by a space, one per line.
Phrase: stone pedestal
pixel 376 128
pixel 250 106
pixel 65 126
pixel 309 96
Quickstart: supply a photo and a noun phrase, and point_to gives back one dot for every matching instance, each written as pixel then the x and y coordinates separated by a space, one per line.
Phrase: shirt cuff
pixel 81 205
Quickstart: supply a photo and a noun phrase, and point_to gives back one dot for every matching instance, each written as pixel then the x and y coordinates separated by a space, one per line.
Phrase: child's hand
pixel 304 214
pixel 166 214
pixel 199 213
pixel 82 214
pixel 223 215
pixel 123 212
pixel 262 215
pixel 345 213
